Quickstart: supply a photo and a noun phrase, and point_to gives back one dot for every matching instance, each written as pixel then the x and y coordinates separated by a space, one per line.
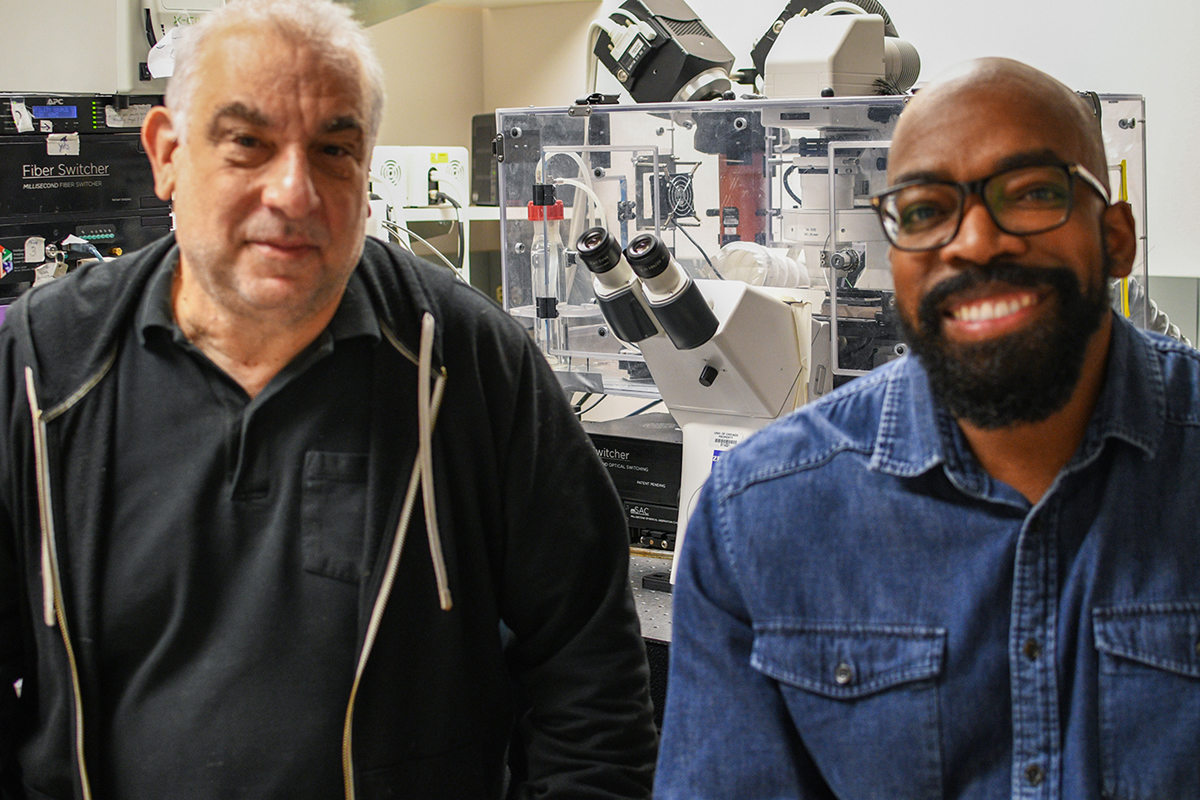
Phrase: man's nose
pixel 289 184
pixel 979 240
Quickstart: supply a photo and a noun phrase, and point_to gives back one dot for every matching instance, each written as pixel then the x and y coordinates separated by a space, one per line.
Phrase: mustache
pixel 297 231
pixel 1059 279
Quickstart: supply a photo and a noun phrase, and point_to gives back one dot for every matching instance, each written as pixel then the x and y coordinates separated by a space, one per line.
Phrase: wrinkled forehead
pixel 265 68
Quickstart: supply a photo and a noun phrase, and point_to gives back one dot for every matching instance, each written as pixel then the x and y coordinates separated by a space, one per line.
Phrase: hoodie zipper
pixel 53 608
pixel 428 402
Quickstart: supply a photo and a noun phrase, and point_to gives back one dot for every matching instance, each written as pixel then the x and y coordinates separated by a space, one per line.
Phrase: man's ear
pixel 161 141
pixel 1120 238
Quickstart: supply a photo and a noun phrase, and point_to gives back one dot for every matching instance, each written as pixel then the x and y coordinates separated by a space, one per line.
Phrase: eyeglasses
pixel 926 214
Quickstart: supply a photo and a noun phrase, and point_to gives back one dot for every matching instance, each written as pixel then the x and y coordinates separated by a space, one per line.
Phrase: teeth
pixel 989 310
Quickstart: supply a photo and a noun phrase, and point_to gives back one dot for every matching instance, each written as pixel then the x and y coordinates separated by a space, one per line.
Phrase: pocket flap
pixel 1162 635
pixel 847 661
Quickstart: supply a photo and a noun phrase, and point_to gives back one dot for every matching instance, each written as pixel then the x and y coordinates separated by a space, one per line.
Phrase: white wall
pixel 73 46
pixel 1106 46
pixel 536 55
pixel 433 61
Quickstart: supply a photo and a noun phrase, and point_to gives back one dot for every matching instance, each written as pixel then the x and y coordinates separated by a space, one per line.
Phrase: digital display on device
pixel 54 112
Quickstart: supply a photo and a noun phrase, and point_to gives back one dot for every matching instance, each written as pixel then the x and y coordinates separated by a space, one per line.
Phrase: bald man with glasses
pixel 975 572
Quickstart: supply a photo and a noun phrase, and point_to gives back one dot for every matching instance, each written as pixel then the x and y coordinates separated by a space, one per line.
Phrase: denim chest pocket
pixel 1149 696
pixel 864 700
pixel 333 512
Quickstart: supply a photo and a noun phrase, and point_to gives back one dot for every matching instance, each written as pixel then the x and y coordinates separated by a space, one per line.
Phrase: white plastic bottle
pixel 547 256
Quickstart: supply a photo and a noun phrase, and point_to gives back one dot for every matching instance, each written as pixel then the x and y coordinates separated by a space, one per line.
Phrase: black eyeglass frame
pixel 967 188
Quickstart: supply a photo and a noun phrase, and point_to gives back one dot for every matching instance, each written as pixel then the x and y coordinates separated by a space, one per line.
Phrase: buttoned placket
pixel 1037 747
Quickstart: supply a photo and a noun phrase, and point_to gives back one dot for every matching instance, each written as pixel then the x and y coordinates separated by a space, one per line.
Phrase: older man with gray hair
pixel 285 512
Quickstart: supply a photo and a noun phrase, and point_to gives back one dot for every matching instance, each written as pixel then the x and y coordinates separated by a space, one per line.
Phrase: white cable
pixel 577 219
pixel 539 170
pixel 592 59
pixel 602 218
pixel 619 37
pixel 396 228
pixel 387 187
pixel 629 16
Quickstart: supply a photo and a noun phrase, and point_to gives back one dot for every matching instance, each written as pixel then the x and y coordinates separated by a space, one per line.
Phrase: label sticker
pixel 35 250
pixel 131 117
pixel 21 115
pixel 62 144
pixel 723 441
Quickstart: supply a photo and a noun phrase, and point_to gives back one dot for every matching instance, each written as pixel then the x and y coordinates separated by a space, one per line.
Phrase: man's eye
pixel 247 142
pixel 1031 188
pixel 915 216
pixel 1045 194
pixel 338 151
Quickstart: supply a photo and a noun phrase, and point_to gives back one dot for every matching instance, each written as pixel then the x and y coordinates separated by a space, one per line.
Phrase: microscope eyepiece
pixel 648 256
pixel 598 250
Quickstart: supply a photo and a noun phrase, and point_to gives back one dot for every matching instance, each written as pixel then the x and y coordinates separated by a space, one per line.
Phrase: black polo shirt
pixel 229 599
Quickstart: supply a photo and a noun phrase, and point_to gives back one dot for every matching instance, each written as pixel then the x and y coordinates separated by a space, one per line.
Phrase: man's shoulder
pixel 408 286
pixel 70 323
pixel 1179 365
pixel 90 290
pixel 847 420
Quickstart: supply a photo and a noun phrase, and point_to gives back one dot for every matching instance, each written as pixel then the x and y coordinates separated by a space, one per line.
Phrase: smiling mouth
pixel 988 310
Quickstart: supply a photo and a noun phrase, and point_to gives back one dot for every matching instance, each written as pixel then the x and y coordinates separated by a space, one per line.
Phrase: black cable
pixel 787 188
pixel 150 37
pixel 462 248
pixel 673 224
pixel 643 409
pixel 592 407
pixel 85 247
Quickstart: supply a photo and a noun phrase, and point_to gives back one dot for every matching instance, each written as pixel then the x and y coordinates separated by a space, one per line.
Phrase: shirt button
pixel 1032 649
pixel 1034 774
pixel 843 674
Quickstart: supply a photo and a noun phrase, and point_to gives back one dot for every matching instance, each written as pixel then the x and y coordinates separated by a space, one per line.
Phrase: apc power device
pixel 72 166
pixel 644 456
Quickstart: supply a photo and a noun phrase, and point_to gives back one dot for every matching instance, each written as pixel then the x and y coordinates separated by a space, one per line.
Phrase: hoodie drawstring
pixel 428 403
pixel 425 457
pixel 52 610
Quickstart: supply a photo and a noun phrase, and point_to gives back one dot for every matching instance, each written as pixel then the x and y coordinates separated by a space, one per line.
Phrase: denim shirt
pixel 863 612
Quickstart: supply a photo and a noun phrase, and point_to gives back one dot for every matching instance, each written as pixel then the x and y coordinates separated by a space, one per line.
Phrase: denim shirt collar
pixel 917 433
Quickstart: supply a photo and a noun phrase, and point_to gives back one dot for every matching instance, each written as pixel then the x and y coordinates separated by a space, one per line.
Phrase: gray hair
pixel 327 27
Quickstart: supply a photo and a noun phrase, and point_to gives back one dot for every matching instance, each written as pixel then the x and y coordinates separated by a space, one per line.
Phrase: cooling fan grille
pixel 676 196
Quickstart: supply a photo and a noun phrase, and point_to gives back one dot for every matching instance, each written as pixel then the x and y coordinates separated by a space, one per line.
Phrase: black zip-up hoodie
pixel 488 509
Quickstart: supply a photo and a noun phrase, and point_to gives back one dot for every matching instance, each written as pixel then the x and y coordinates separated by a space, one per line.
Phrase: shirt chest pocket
pixel 333 514
pixel 864 701
pixel 1149 694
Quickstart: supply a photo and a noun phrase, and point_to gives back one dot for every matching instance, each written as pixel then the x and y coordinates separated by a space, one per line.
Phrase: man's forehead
pixel 322 97
pixel 970 128
pixel 248 112
pixel 244 62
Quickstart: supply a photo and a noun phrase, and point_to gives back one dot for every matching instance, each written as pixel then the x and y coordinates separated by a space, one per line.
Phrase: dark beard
pixel 1023 377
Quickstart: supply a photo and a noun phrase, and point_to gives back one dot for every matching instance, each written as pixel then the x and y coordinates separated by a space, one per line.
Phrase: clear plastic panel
pixel 771 192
